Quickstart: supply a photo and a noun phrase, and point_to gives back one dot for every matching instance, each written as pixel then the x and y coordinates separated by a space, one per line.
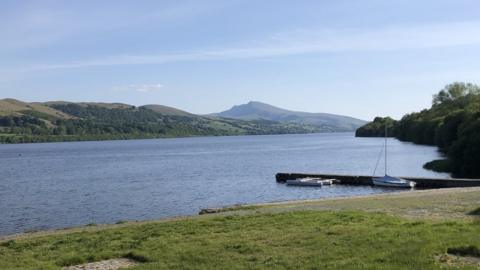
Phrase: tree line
pixel 452 124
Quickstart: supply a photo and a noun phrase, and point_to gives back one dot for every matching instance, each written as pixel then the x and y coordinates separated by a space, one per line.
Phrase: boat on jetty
pixel 311 182
pixel 389 181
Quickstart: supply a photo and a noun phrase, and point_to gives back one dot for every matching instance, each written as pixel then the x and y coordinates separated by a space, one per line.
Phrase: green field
pixel 395 231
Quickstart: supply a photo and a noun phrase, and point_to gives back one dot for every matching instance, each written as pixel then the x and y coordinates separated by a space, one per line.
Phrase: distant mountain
pixel 258 110
pixel 69 121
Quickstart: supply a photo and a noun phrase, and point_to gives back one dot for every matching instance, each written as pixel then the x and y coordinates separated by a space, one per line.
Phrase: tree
pixel 454 91
pixel 377 128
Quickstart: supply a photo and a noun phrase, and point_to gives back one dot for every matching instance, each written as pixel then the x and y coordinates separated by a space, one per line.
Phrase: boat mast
pixel 385 149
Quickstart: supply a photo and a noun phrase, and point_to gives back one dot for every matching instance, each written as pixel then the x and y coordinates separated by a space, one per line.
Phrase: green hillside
pixel 166 110
pixel 67 121
pixel 15 107
pixel 452 124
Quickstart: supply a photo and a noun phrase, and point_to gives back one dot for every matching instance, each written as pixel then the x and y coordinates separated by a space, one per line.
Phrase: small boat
pixel 389 181
pixel 310 182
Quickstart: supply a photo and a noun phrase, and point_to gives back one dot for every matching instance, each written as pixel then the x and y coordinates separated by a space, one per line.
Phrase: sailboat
pixel 389 181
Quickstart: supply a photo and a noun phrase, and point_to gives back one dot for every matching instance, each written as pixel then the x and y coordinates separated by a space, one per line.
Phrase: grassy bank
pixel 377 232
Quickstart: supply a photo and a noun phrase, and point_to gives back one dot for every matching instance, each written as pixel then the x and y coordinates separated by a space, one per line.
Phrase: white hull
pixel 310 182
pixel 388 181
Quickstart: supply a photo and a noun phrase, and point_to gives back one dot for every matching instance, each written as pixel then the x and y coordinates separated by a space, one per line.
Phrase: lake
pixel 58 185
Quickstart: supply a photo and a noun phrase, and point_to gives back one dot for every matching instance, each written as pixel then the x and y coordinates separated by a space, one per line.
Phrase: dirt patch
pixel 458 261
pixel 112 264
pixel 461 256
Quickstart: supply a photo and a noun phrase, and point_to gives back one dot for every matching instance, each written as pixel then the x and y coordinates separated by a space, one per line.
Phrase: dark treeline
pixel 452 124
pixel 90 122
pixel 377 128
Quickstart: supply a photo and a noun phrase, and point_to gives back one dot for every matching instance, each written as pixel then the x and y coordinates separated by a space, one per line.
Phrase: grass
pixel 288 236
pixel 437 205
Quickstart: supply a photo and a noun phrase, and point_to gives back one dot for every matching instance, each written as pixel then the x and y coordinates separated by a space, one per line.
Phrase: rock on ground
pixel 112 264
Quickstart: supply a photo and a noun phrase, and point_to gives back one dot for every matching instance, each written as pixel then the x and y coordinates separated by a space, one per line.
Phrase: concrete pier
pixel 367 180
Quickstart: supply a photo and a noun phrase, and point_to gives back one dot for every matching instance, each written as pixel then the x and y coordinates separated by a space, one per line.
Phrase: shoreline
pixel 322 232
pixel 155 137
pixel 290 205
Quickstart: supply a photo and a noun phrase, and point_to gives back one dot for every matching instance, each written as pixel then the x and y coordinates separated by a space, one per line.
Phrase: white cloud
pixel 142 88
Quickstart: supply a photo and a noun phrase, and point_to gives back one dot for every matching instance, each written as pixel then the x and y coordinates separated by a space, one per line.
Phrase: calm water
pixel 57 185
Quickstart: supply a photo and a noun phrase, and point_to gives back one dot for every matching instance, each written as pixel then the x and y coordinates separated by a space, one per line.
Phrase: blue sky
pixel 358 58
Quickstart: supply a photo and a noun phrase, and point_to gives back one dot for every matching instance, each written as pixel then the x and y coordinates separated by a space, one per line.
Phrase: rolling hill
pixel 69 121
pixel 10 106
pixel 258 110
pixel 166 110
